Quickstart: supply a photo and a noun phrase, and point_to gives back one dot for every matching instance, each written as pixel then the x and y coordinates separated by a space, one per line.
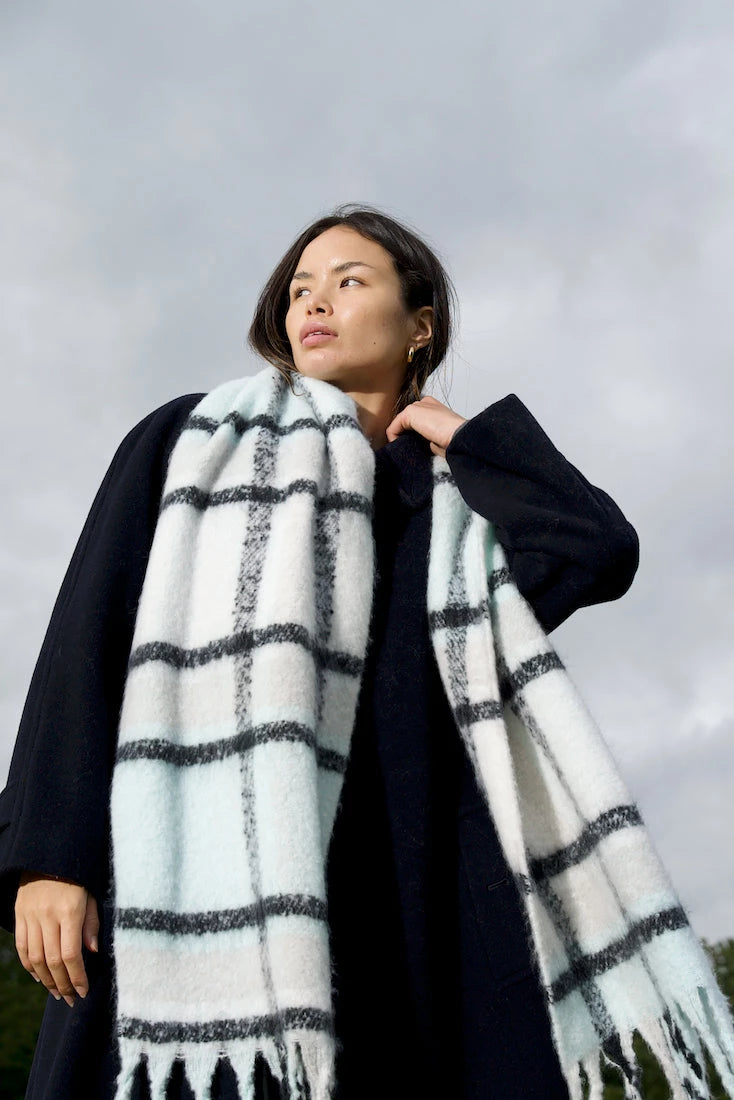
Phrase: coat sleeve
pixel 54 809
pixel 567 543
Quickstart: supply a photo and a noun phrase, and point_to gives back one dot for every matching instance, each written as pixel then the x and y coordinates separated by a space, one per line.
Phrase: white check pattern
pixel 234 735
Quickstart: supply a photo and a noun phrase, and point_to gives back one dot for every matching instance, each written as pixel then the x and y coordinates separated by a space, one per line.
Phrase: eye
pixel 346 279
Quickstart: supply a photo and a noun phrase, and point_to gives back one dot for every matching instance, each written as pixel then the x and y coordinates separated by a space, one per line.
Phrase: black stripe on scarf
pixel 641 932
pixel 233 645
pixel 462 614
pixel 621 817
pixel 241 424
pixel 173 1031
pixel 207 752
pixel 457 615
pixel 221 920
pixel 473 712
pixel 235 494
pixel 525 673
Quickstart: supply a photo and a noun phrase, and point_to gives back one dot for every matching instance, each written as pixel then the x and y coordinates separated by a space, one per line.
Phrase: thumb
pixel 90 928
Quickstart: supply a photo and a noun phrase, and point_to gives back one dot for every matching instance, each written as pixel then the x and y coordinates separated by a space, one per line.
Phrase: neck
pixel 375 413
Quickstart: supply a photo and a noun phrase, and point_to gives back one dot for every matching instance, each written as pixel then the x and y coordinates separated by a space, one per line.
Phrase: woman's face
pixel 361 305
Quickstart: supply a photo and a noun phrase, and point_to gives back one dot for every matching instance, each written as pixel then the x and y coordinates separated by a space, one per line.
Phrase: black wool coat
pixel 435 991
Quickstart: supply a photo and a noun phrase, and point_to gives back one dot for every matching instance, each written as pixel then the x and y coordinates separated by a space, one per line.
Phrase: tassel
pixel 318 1058
pixel 159 1070
pixel 718 1023
pixel 295 1071
pixel 200 1070
pixel 243 1057
pixel 593 1076
pixel 575 1082
pixel 678 1048
pixel 128 1064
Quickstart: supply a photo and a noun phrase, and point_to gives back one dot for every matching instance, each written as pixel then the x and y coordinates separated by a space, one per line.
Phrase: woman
pixel 419 899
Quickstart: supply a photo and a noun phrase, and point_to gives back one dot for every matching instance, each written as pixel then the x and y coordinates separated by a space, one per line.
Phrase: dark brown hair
pixel 423 282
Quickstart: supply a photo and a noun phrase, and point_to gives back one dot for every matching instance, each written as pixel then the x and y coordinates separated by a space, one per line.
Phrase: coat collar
pixel 408 461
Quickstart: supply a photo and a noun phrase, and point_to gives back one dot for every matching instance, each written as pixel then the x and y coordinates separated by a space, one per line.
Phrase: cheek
pixel 380 325
pixel 291 328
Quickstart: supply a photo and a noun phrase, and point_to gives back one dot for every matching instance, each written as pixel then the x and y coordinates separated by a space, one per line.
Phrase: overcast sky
pixel 572 163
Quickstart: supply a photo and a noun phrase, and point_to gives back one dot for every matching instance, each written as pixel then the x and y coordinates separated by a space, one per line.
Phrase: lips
pixel 316 338
pixel 312 328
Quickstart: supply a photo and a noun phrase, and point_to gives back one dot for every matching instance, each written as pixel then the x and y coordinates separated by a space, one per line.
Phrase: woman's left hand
pixel 434 421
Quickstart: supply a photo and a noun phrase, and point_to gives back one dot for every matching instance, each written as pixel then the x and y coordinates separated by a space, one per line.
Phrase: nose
pixel 318 302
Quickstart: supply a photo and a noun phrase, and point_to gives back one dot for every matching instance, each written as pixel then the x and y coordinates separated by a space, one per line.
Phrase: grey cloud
pixel 574 173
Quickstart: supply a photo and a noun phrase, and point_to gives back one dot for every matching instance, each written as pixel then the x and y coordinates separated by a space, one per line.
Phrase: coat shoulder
pixel 159 429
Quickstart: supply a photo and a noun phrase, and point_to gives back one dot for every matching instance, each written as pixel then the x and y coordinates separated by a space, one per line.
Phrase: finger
pixel 55 961
pixel 37 958
pixel 21 946
pixel 90 930
pixel 392 431
pixel 398 424
pixel 71 955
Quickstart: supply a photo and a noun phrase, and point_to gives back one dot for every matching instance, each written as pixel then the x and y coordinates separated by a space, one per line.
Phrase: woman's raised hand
pixel 53 918
pixel 432 419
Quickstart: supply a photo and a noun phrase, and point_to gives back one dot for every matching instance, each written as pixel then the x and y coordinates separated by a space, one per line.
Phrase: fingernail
pixel 35 977
pixel 93 941
pixel 55 994
pixel 82 992
pixel 69 1000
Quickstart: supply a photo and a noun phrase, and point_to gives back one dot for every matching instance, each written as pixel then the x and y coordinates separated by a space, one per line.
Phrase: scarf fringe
pixel 677 1042
pixel 309 1065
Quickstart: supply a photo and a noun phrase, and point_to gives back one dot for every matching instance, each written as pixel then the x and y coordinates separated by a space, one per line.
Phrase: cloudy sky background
pixel 572 165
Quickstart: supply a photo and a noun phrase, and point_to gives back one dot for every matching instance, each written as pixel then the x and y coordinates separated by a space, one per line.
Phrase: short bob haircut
pixel 423 281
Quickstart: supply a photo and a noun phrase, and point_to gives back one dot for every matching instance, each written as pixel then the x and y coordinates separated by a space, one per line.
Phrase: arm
pixel 567 543
pixel 54 810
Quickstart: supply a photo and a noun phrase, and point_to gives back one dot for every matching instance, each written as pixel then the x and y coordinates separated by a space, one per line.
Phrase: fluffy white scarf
pixel 235 729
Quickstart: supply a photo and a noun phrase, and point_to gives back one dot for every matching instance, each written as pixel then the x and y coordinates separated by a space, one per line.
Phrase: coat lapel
pixel 409 460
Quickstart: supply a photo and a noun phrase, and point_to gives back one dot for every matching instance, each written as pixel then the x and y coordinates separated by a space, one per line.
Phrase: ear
pixel 422 326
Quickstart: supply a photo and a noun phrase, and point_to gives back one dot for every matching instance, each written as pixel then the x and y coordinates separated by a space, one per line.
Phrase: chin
pixel 317 367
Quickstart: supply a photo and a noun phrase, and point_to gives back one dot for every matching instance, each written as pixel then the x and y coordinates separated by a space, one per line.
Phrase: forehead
pixel 339 244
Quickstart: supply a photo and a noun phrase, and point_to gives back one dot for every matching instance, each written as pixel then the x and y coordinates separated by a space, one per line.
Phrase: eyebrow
pixel 337 270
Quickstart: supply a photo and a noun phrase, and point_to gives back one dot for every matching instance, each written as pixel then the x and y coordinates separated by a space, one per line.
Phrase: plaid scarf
pixel 234 736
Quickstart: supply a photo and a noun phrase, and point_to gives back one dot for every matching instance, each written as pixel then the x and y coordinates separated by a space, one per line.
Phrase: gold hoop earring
pixel 411 352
